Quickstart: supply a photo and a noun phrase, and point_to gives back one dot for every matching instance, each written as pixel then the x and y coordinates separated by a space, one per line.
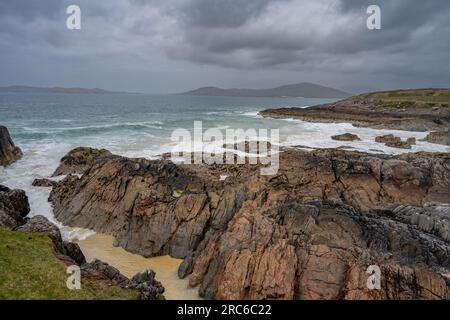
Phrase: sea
pixel 47 126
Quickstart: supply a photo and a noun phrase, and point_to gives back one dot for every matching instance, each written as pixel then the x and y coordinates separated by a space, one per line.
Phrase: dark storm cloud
pixel 253 42
pixel 220 13
pixel 286 31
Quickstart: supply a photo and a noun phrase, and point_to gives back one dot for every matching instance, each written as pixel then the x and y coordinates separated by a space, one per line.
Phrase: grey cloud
pixel 288 40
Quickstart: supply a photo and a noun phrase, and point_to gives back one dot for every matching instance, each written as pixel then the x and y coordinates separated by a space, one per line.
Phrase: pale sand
pixel 100 247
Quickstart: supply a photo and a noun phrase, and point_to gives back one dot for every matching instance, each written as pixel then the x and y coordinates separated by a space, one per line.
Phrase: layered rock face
pixel 310 232
pixel 9 153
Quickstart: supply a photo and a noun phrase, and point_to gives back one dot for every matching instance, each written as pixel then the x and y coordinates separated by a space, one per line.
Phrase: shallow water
pixel 100 247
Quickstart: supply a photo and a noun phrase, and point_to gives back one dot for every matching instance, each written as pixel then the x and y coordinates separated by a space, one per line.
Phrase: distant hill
pixel 305 90
pixel 29 89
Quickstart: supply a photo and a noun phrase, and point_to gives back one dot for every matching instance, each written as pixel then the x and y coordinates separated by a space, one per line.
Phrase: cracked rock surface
pixel 309 232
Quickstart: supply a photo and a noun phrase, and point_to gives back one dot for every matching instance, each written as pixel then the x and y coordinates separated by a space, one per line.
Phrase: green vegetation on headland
pixel 417 98
pixel 29 270
pixel 411 110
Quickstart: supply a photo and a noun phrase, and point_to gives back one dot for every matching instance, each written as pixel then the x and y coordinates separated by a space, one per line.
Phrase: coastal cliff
pixel 310 232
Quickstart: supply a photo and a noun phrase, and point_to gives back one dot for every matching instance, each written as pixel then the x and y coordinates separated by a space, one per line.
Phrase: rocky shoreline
pixel 310 232
pixel 411 110
pixel 14 208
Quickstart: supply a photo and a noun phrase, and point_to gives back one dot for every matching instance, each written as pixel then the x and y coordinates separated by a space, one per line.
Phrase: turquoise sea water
pixel 126 122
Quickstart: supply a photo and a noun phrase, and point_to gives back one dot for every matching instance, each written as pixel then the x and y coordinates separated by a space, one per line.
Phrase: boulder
pixel 14 207
pixel 346 137
pixel 9 153
pixel 439 137
pixel 395 142
pixel 145 284
pixel 44 183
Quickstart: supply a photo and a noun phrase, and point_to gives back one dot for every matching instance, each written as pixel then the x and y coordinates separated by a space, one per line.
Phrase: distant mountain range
pixel 305 90
pixel 30 89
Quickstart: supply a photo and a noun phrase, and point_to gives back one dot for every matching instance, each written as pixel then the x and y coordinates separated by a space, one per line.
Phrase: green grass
pixel 418 98
pixel 29 270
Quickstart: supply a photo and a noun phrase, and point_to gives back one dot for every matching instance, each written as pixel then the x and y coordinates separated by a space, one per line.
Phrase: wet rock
pixel 79 160
pixel 9 153
pixel 44 183
pixel 439 137
pixel 395 142
pixel 346 137
pixel 411 141
pixel 14 207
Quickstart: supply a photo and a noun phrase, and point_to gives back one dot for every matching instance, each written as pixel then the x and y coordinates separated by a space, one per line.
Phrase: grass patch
pixel 30 271
pixel 418 98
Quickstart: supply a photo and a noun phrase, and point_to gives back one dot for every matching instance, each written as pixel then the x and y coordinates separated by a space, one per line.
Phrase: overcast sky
pixel 174 45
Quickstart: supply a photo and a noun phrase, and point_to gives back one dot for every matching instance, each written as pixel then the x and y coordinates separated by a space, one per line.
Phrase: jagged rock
pixel 42 225
pixel 439 137
pixel 103 270
pixel 397 283
pixel 294 235
pixel 395 142
pixel 44 183
pixel 346 137
pixel 9 153
pixel 146 285
pixel 79 160
pixel 411 141
pixel 14 207
pixel 63 249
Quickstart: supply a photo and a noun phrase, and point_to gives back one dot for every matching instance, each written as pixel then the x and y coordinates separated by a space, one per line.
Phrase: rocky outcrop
pixel 439 137
pixel 412 110
pixel 66 251
pixel 346 137
pixel 79 160
pixel 14 207
pixel 396 142
pixel 9 153
pixel 309 232
pixel 147 286
pixel 47 183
